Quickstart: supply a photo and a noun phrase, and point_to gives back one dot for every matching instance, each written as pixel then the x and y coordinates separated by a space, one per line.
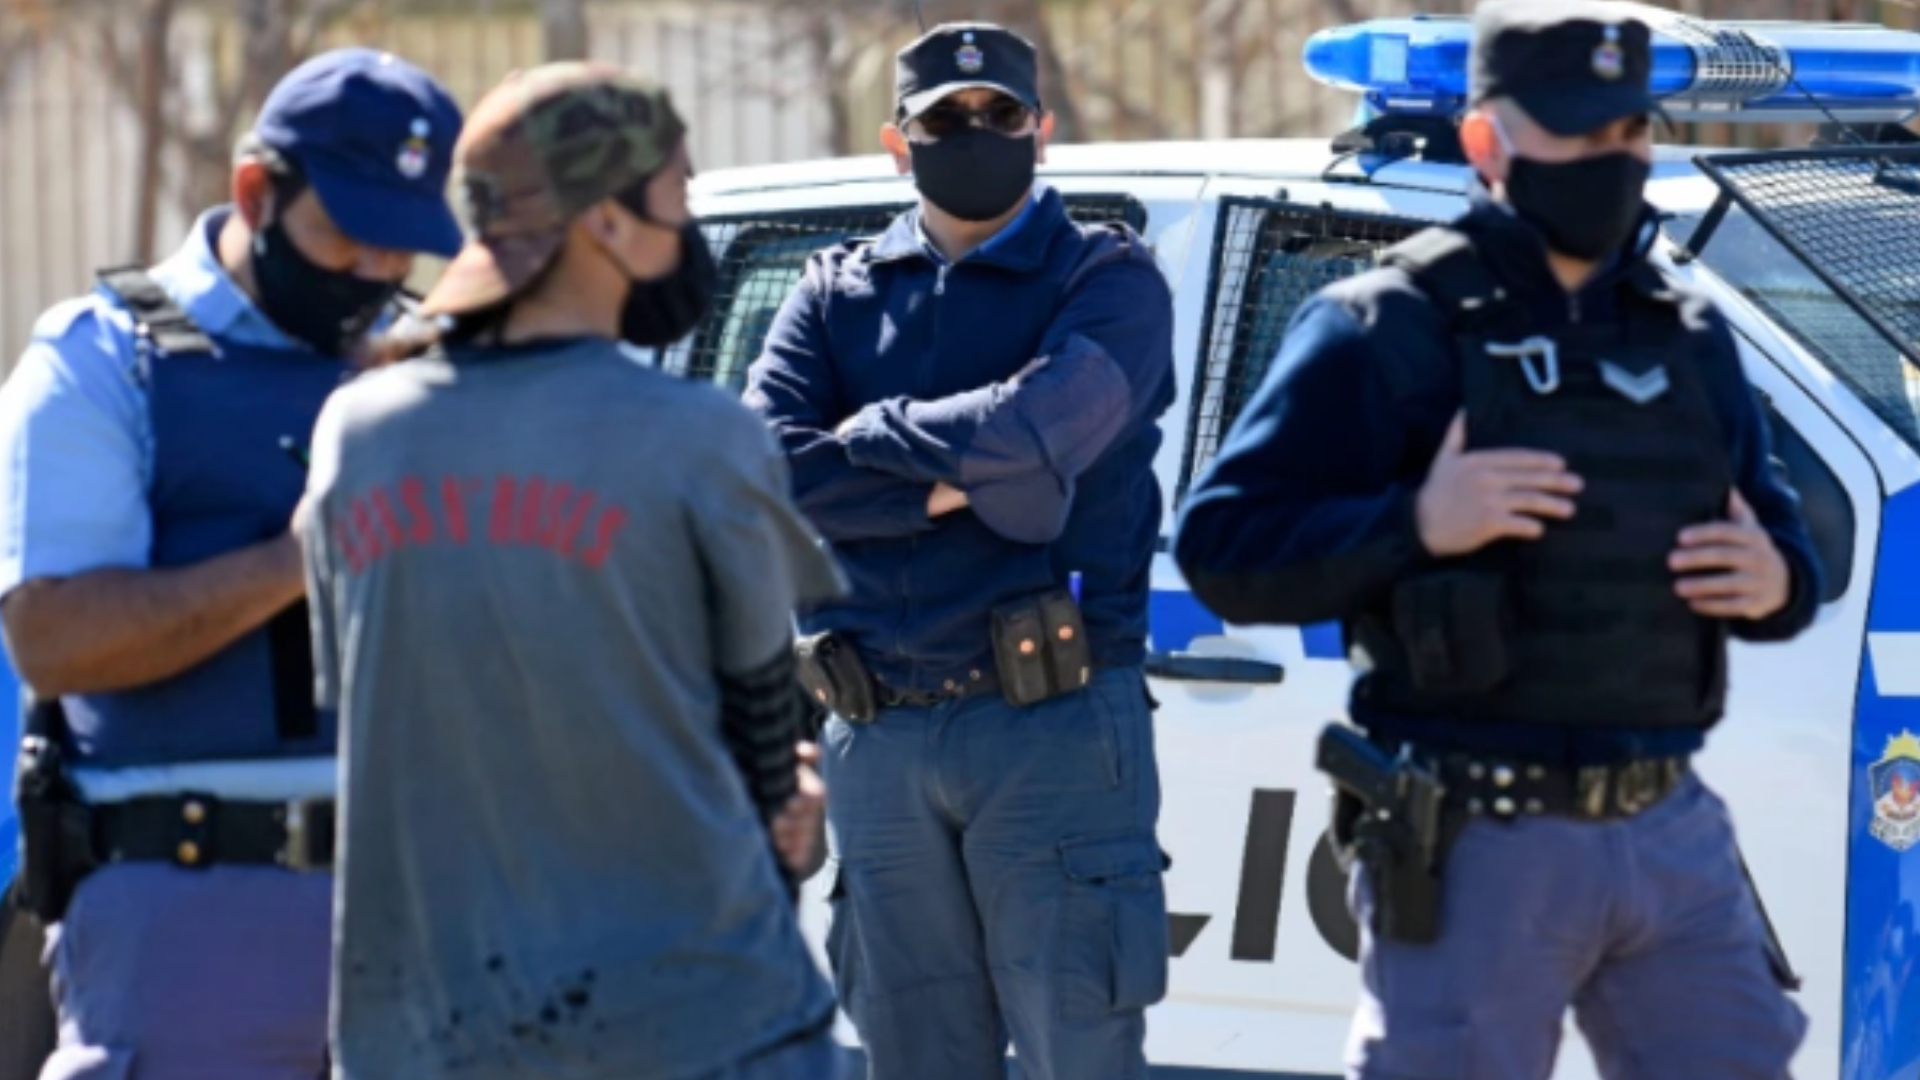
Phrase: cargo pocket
pixel 88 1063
pixel 844 956
pixel 1112 946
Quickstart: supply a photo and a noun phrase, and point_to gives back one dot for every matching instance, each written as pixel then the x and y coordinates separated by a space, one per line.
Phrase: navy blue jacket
pixel 1307 514
pixel 1031 375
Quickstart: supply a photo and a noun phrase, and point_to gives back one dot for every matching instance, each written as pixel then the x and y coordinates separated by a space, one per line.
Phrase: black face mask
pixel 327 309
pixel 1585 209
pixel 975 175
pixel 660 312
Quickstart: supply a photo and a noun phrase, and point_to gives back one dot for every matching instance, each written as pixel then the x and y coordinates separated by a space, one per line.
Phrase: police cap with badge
pixel 1572 65
pixel 965 56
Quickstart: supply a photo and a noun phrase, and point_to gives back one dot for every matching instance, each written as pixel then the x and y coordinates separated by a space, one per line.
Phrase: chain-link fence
pixel 118 117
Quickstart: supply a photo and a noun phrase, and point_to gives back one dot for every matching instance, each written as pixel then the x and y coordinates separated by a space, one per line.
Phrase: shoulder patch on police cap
pixel 1895 780
pixel 1609 61
pixel 970 58
pixel 413 159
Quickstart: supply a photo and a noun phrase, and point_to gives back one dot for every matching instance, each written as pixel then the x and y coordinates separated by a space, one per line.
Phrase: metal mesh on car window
pixel 1268 258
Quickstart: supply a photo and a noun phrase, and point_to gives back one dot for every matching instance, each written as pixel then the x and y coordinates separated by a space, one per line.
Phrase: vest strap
pixel 1445 266
pixel 155 316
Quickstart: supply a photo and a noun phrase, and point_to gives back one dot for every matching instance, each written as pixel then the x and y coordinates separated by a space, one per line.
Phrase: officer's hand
pixel 1755 581
pixel 945 499
pixel 798 828
pixel 1472 499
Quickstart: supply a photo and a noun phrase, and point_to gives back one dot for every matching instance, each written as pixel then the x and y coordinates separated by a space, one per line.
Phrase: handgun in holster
pixel 1388 818
pixel 835 678
pixel 56 826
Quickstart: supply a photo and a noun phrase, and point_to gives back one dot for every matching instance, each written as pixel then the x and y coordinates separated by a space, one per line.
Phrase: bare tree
pixel 564 24
pixel 156 26
pixel 275 36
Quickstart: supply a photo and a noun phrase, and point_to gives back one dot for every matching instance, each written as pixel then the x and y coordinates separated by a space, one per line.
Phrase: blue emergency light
pixel 1740 71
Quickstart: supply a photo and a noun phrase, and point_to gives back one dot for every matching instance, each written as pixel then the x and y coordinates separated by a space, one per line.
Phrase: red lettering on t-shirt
pixel 576 520
pixel 553 516
pixel 533 498
pixel 389 521
pixel 364 529
pixel 500 529
pixel 413 497
pixel 612 520
pixel 454 501
pixel 349 551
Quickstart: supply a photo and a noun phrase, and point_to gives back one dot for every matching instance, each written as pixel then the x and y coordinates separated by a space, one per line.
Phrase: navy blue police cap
pixel 1572 65
pixel 965 56
pixel 374 135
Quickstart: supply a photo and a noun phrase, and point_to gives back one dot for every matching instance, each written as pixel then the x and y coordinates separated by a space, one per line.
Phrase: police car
pixel 1815 256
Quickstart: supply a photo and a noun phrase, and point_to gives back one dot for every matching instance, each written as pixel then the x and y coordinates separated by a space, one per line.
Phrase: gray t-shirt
pixel 528 570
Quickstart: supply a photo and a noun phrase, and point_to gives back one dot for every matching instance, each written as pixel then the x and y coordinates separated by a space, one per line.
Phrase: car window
pixel 1756 265
pixel 1268 258
pixel 761 258
pixel 1824 503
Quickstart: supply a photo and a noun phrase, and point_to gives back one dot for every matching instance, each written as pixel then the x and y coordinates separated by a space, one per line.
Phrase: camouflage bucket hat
pixel 538 150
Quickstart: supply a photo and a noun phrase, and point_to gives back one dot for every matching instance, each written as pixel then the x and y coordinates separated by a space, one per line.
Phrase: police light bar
pixel 1740 71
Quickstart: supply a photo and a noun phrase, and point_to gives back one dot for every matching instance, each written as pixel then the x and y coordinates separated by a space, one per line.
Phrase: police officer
pixel 553 595
pixel 153 434
pixel 1526 471
pixel 969 404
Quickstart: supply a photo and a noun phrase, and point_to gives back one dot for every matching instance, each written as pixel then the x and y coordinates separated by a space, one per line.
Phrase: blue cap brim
pixel 386 217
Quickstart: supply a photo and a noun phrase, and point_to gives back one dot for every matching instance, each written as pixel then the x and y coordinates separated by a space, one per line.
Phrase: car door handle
pixel 1188 667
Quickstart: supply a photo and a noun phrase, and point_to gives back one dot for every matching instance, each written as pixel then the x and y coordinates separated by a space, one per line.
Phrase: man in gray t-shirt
pixel 552 596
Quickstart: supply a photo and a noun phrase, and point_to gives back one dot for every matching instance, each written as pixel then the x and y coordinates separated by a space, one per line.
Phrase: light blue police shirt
pixel 73 420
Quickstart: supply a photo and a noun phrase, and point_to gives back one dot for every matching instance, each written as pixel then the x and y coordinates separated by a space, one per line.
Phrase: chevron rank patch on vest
pixel 1640 389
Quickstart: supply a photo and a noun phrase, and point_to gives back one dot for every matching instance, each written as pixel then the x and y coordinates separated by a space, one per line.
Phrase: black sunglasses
pixel 1004 116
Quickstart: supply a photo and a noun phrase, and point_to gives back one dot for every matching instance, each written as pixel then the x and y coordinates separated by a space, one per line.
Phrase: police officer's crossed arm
pixel 82 613
pixel 1106 357
pixel 794 388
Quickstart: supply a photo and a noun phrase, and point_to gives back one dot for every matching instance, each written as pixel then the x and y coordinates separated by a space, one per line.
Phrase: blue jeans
pixel 1645 927
pixel 996 876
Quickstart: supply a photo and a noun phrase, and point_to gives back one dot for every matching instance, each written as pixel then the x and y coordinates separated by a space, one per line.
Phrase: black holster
pixel 1406 883
pixel 835 678
pixel 1389 818
pixel 1040 648
pixel 56 826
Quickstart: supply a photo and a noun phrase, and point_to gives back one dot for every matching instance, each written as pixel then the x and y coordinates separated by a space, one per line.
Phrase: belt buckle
pixel 1638 786
pixel 297 817
pixel 1592 785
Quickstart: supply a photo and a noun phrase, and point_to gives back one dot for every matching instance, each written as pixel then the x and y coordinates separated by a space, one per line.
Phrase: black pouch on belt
pixel 833 674
pixel 1040 647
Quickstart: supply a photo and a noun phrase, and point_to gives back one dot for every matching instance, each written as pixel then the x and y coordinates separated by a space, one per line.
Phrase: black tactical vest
pixel 1583 626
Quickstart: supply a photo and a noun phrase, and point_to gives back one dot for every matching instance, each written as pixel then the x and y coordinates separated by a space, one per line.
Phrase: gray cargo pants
pixel 169 974
pixel 1645 927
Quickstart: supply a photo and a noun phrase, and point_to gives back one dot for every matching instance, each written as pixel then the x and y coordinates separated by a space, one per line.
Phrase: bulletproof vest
pixel 230 424
pixel 1583 626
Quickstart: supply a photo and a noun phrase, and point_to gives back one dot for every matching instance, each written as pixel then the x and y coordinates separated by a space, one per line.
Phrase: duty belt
pixel 979 682
pixel 198 831
pixel 1486 786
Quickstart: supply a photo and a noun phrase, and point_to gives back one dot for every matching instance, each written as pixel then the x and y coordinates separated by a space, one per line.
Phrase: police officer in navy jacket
pixel 969 404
